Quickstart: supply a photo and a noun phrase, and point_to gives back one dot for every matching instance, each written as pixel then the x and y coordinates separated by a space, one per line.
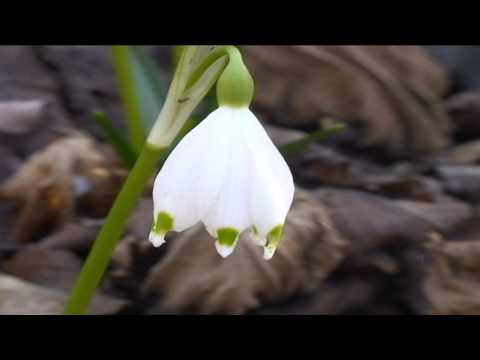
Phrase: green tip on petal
pixel 273 239
pixel 227 238
pixel 164 223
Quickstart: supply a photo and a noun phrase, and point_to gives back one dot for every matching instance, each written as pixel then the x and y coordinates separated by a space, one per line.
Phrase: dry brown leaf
pixel 464 154
pixel 194 278
pixel 452 285
pixel 395 91
pixel 46 186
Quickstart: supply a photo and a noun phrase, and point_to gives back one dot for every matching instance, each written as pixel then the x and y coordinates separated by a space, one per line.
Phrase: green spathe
pixel 164 223
pixel 227 236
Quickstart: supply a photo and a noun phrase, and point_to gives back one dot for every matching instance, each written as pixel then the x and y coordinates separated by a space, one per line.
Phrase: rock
pixel 371 222
pixel 463 181
pixel 461 62
pixel 20 117
pixel 48 267
pixel 464 110
pixel 87 79
pixel 25 77
pixel 464 154
pixel 18 297
pixel 71 236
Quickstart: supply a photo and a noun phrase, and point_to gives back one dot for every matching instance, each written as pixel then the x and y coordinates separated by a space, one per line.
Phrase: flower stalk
pixel 169 125
pixel 239 179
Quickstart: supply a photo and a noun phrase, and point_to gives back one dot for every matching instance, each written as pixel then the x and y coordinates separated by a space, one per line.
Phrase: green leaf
pixel 142 88
pixel 151 86
pixel 124 149
pixel 299 146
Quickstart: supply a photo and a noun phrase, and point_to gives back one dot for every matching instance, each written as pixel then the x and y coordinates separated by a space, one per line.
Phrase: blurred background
pixel 385 218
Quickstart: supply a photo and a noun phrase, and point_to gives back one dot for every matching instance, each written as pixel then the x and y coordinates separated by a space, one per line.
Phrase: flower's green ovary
pixel 164 223
pixel 235 86
pixel 227 236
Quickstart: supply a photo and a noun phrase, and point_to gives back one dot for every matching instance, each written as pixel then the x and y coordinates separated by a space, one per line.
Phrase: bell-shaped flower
pixel 229 175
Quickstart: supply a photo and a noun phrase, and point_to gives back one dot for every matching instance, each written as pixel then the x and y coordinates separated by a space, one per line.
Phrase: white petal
pixel 272 186
pixel 191 177
pixel 231 208
pixel 268 252
pixel 224 250
pixel 156 239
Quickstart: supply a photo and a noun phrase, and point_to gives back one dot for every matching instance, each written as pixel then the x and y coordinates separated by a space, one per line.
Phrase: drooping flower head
pixel 226 173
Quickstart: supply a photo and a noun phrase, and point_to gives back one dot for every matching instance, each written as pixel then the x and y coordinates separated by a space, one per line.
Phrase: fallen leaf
pixel 46 187
pixel 452 285
pixel 394 92
pixel 192 277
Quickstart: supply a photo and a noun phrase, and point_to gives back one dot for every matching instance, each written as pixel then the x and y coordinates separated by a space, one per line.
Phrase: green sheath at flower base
pixel 235 87
pixel 273 239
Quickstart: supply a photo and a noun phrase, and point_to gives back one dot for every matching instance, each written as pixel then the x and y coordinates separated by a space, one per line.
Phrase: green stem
pixel 113 228
pixel 232 52
pixel 121 62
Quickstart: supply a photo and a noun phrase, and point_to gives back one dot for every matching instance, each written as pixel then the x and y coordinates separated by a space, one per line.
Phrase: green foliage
pixel 124 149
pixel 299 146
pixel 142 88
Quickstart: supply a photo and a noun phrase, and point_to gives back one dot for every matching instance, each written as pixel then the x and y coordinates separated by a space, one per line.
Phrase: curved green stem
pixel 113 228
pixel 231 51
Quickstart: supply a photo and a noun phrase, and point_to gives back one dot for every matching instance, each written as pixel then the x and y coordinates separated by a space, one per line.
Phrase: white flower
pixel 228 174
